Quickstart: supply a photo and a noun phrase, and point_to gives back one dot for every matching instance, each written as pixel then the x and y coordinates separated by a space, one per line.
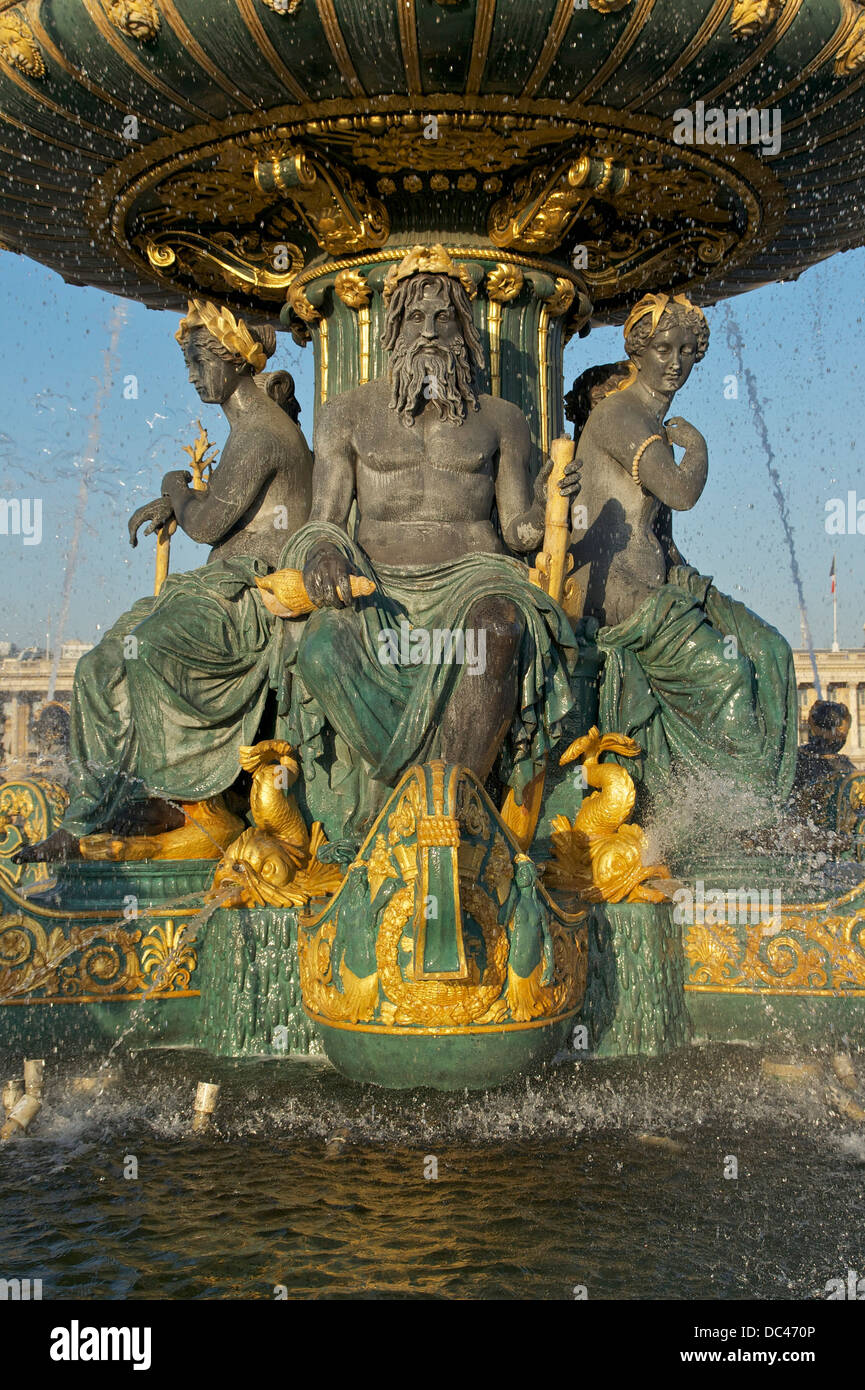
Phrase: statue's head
pixel 430 333
pixel 664 338
pixel 828 726
pixel 525 873
pixel 219 349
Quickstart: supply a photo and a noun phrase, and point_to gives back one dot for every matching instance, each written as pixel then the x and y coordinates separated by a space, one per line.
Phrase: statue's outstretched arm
pixel 234 485
pixel 677 485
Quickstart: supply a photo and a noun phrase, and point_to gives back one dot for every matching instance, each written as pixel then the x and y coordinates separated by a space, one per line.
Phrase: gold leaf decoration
pixel 599 857
pixel 283 6
pixel 609 6
pixel 168 957
pixel 18 47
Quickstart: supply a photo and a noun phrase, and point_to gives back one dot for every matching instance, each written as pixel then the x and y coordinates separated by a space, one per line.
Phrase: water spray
pixel 736 345
pixel 93 1085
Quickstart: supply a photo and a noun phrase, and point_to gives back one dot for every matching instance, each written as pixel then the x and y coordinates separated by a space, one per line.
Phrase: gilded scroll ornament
pixel 98 962
pixel 544 204
pixel 18 47
pixel 485 142
pixel 283 6
pixel 806 952
pixel 137 19
pixel 599 857
pixel 850 57
pixel 336 208
pixel 301 305
pixel 609 6
pixel 29 811
pixel 752 17
pixel 371 958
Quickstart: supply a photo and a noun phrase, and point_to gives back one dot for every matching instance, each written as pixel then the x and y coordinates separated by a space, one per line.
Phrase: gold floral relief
pixel 44 966
pixel 804 954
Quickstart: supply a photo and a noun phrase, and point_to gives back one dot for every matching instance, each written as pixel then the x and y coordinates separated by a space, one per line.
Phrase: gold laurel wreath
pixel 232 333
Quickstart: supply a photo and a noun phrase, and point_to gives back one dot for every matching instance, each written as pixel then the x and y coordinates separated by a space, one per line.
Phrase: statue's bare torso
pixel 425 494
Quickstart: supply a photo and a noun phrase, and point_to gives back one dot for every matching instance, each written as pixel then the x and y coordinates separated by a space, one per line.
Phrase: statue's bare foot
pixel 58 846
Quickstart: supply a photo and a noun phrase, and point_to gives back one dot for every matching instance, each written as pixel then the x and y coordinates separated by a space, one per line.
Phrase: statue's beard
pixel 422 372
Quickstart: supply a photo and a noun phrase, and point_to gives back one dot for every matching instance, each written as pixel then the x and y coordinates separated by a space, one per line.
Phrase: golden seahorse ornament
pixel 273 863
pixel 599 857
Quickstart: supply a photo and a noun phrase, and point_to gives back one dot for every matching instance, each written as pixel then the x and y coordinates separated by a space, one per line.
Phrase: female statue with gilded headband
pixel 697 679
pixel 161 705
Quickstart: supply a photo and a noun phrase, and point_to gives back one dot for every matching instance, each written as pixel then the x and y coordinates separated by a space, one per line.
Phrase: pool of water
pixel 608 1177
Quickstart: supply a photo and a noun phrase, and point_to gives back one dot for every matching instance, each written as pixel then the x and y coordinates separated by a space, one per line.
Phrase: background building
pixel 842 678
pixel 25 680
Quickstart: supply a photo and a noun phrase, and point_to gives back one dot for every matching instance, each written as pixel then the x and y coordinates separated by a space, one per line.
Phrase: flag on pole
pixel 832 574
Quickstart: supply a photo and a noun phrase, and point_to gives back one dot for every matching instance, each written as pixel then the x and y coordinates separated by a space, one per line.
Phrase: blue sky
pixel 803 346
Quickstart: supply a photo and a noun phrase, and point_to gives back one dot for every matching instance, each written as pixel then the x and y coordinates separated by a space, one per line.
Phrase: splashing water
pixel 736 345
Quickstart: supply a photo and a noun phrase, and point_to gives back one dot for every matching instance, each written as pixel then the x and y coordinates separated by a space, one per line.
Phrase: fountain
pixel 446 760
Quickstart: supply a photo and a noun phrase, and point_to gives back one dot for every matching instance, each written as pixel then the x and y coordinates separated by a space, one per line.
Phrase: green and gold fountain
pixel 355 863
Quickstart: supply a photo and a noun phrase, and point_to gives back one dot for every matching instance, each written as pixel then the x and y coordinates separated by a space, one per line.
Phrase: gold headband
pixel 427 260
pixel 221 324
pixel 656 305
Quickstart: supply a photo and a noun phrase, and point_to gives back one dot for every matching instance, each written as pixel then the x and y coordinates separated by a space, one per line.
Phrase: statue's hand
pixel 685 435
pixel 572 483
pixel 158 513
pixel 178 477
pixel 327 577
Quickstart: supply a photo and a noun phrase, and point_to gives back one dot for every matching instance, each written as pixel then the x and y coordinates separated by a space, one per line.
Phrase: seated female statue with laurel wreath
pixel 699 681
pixel 161 705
